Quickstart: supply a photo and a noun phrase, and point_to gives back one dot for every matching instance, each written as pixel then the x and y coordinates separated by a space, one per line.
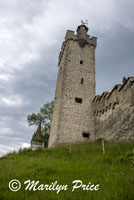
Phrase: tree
pixel 45 117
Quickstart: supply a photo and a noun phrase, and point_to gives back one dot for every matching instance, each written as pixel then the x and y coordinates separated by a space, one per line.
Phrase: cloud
pixel 25 145
pixel 13 101
pixel 5 77
pixel 31 35
pixel 116 60
pixel 9 149
pixel 4 130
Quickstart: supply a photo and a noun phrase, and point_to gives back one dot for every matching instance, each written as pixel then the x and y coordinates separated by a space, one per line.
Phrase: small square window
pixel 78 100
pixel 85 135
pixel 81 62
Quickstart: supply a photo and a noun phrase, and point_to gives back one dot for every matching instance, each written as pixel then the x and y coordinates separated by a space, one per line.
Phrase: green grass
pixel 114 172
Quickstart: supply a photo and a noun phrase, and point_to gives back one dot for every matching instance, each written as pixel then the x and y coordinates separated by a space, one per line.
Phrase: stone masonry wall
pixel 109 116
pixel 114 113
pixel 76 79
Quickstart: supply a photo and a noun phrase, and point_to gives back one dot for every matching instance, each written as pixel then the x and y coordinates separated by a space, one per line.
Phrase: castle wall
pixel 76 79
pixel 75 116
pixel 114 113
pixel 78 114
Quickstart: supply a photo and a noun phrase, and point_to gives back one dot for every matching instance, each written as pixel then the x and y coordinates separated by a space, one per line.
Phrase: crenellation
pixel 75 90
pixel 112 112
pixel 126 83
pixel 77 111
pixel 69 35
pixel 120 94
pixel 93 41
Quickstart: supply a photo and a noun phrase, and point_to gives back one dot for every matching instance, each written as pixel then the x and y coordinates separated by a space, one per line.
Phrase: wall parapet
pixel 70 35
pixel 121 94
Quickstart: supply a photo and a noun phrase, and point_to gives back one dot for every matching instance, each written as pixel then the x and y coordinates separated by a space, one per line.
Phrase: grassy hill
pixel 114 172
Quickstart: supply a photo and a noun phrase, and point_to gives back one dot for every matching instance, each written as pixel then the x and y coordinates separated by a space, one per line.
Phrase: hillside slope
pixel 114 172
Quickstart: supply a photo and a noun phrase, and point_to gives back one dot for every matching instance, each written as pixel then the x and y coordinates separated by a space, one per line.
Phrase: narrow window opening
pixel 85 135
pixel 81 62
pixel 78 100
pixel 82 81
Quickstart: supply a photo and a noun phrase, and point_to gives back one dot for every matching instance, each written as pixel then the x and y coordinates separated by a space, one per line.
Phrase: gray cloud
pixel 31 34
pixel 116 59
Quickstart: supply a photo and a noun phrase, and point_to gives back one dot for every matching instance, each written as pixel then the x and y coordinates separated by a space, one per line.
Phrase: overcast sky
pixel 31 35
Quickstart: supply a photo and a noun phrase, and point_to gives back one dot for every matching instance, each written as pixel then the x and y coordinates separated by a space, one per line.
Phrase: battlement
pixel 73 119
pixel 77 117
pixel 81 37
pixel 122 94
pixel 70 35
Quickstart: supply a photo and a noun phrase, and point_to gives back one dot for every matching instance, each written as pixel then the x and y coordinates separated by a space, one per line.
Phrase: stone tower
pixel 72 119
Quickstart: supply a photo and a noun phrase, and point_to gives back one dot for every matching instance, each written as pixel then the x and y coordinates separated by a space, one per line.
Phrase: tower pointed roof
pixel 38 134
